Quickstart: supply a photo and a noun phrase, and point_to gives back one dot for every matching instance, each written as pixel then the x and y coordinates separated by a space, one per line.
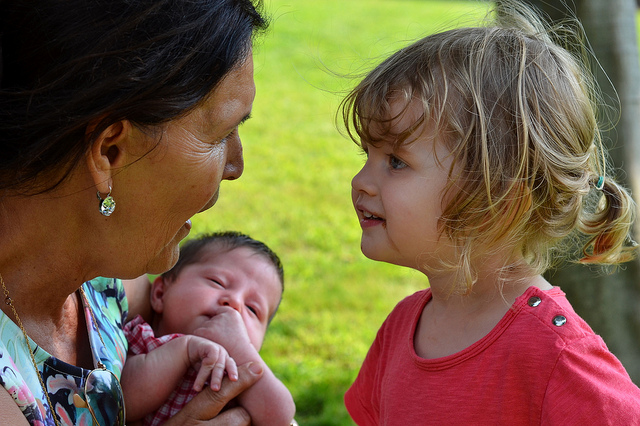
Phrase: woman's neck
pixel 41 255
pixel 41 267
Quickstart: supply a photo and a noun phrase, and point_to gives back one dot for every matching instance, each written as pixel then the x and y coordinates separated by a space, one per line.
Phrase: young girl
pixel 482 148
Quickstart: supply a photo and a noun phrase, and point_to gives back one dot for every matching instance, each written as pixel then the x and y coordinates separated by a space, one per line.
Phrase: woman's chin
pixel 168 257
pixel 165 260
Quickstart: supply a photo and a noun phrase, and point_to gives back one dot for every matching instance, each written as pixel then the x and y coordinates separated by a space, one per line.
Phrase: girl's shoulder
pixel 416 300
pixel 582 371
pixel 549 313
pixel 564 340
pixel 410 307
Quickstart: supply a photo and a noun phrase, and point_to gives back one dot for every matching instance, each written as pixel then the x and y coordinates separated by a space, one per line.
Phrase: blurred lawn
pixel 295 192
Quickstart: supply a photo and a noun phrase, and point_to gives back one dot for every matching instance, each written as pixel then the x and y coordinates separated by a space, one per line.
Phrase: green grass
pixel 295 192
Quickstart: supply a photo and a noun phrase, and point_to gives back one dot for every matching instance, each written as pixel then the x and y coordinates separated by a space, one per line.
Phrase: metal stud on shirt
pixel 534 301
pixel 559 320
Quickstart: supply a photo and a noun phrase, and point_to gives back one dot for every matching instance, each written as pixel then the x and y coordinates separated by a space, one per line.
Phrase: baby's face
pixel 239 278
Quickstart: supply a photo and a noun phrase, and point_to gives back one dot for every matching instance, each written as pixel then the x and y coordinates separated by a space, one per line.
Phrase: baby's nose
pixel 231 301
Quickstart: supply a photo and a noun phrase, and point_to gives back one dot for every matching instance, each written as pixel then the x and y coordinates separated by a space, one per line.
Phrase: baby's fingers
pixel 224 362
pixel 212 363
pixel 204 372
pixel 232 369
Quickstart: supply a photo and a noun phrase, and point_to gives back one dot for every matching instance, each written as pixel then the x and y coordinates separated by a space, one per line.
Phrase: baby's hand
pixel 226 328
pixel 211 360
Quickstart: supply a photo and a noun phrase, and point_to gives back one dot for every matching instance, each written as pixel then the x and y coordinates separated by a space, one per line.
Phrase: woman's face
pixel 161 190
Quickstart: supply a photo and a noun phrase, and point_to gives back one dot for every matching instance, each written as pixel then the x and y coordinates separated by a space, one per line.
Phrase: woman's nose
pixel 235 162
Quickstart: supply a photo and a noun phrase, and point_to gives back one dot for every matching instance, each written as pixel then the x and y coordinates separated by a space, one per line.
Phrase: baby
pixel 225 288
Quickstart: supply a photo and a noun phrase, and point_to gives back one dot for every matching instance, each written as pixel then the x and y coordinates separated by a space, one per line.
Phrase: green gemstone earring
pixel 108 205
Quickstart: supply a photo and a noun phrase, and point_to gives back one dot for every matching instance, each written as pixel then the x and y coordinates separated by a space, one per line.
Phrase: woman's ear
pixel 107 153
pixel 157 294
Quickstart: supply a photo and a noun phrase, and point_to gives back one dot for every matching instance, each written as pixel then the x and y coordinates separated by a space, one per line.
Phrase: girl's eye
pixel 253 310
pixel 396 163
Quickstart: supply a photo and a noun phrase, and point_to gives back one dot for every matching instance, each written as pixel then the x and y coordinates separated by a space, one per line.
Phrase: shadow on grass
pixel 322 404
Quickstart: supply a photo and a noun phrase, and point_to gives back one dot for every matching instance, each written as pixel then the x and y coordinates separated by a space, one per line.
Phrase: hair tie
pixel 600 183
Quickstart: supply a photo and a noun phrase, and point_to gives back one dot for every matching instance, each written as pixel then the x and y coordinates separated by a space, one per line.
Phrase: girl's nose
pixel 362 182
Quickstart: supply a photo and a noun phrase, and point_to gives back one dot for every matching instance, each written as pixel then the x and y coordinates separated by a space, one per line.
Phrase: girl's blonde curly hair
pixel 518 113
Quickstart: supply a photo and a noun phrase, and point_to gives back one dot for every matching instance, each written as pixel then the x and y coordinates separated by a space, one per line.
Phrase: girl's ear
pixel 107 153
pixel 157 294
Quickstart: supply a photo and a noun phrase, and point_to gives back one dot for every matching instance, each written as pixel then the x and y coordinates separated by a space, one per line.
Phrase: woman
pixel 118 121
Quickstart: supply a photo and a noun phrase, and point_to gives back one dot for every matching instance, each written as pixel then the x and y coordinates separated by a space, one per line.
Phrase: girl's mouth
pixel 368 215
pixel 369 219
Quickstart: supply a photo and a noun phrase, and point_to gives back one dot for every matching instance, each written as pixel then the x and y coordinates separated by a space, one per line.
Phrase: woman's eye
pixel 226 138
pixel 396 163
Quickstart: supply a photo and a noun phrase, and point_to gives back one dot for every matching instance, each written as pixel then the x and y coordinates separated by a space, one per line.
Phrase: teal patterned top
pixel 107 299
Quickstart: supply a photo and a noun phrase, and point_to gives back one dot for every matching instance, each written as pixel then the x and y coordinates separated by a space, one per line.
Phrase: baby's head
pixel 220 269
pixel 515 114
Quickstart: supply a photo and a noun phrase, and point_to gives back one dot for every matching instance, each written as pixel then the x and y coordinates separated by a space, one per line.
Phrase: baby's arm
pixel 148 379
pixel 268 402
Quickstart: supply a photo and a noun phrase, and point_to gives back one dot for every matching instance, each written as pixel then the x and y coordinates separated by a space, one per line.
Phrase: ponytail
pixel 609 226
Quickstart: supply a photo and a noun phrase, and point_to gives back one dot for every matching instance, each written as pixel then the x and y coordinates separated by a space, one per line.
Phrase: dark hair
pixel 77 65
pixel 221 242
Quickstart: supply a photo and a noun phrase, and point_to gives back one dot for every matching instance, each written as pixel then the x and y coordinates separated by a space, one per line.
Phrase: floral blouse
pixel 107 299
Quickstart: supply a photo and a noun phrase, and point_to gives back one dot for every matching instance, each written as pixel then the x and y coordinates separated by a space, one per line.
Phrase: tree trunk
pixel 610 303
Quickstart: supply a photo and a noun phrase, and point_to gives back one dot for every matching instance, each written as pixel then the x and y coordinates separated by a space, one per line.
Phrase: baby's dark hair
pixel 518 113
pixel 221 242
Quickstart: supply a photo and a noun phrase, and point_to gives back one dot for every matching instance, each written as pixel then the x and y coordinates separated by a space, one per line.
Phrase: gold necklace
pixel 9 302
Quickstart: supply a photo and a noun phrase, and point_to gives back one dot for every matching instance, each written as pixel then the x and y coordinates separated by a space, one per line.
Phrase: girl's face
pixel 159 192
pixel 239 278
pixel 398 195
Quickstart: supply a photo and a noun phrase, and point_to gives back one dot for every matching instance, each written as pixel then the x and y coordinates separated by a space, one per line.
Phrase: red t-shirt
pixel 532 368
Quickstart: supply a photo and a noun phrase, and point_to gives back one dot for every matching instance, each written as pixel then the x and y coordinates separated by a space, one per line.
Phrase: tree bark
pixel 610 303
